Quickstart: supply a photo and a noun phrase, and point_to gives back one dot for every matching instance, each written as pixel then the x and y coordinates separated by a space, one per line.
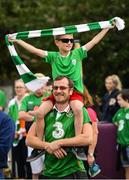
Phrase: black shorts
pixel 124 156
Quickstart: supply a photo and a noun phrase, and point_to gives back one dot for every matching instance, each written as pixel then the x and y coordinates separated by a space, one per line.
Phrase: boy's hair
pixel 125 94
pixel 39 75
pixel 70 82
pixel 58 37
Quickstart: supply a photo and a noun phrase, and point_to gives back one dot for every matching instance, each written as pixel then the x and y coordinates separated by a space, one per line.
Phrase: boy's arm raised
pixel 96 39
pixel 30 48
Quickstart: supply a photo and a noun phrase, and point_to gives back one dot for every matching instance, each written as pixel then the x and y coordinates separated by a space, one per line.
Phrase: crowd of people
pixel 56 127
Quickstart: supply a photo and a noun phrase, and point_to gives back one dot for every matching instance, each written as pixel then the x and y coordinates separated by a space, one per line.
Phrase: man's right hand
pixel 60 153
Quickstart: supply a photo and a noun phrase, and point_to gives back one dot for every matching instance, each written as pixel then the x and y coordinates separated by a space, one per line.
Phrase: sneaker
pixel 94 170
pixel 35 154
pixel 79 153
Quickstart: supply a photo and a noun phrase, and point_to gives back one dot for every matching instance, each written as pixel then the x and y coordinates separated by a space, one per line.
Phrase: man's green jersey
pixel 121 118
pixel 70 65
pixel 60 128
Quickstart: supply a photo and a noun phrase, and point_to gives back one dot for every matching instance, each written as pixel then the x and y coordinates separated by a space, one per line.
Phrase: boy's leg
pixel 77 106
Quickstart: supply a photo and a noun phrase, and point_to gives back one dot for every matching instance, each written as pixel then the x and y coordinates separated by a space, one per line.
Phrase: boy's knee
pixel 77 111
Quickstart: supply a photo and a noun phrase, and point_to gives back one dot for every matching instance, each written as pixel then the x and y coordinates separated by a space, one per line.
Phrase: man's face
pixel 62 91
pixel 65 43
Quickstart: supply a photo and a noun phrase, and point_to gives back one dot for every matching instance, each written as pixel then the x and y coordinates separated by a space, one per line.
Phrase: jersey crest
pixel 59 131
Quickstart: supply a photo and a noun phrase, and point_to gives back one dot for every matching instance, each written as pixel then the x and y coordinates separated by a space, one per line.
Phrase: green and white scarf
pixel 31 81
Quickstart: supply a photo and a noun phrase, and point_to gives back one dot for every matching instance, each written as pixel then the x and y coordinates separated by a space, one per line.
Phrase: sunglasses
pixel 66 40
pixel 60 87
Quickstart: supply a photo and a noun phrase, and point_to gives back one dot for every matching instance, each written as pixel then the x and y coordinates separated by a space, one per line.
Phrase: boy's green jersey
pixel 60 128
pixel 121 119
pixel 70 65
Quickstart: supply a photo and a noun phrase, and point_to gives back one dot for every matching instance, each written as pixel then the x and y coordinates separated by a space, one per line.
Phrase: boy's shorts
pixel 75 96
pixel 124 156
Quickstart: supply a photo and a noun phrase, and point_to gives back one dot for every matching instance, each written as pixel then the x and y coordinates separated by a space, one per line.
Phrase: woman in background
pixel 92 168
pixel 109 104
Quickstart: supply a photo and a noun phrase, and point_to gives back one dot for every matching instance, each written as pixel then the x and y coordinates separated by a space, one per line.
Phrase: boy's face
pixel 65 43
pixel 122 103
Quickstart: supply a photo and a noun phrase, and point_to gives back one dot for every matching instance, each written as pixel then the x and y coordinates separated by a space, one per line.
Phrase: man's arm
pixel 83 139
pixel 26 116
pixel 96 39
pixel 33 50
pixel 32 140
pixel 91 147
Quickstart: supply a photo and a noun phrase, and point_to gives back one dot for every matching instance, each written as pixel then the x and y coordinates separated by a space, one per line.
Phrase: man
pixel 59 133
pixel 31 102
pixel 7 129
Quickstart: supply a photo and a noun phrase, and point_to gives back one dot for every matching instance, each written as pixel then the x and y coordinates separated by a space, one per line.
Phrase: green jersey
pixel 13 109
pixel 2 99
pixel 29 103
pixel 70 65
pixel 60 128
pixel 121 118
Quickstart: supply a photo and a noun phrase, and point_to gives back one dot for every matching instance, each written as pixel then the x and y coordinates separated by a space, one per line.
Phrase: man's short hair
pixel 70 82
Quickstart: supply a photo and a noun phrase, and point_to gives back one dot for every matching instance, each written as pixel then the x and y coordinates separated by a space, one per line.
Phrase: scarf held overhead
pixel 31 81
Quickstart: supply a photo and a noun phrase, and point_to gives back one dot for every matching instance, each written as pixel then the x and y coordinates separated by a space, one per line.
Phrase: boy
pixel 121 119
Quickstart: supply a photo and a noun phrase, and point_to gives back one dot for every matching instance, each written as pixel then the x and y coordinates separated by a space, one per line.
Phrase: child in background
pixel 121 120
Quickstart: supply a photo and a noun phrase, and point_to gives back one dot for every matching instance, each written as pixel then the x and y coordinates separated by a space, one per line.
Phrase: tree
pixel 110 56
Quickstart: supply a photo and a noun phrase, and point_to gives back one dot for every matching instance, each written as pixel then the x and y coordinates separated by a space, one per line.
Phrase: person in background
pixel 109 104
pixel 92 168
pixel 59 132
pixel 2 100
pixel 19 147
pixel 7 131
pixel 121 120
pixel 32 102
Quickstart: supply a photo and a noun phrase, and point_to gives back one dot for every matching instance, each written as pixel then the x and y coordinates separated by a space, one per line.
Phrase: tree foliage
pixel 108 57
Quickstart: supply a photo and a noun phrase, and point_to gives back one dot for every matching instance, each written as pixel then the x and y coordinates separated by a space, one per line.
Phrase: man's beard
pixel 59 100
